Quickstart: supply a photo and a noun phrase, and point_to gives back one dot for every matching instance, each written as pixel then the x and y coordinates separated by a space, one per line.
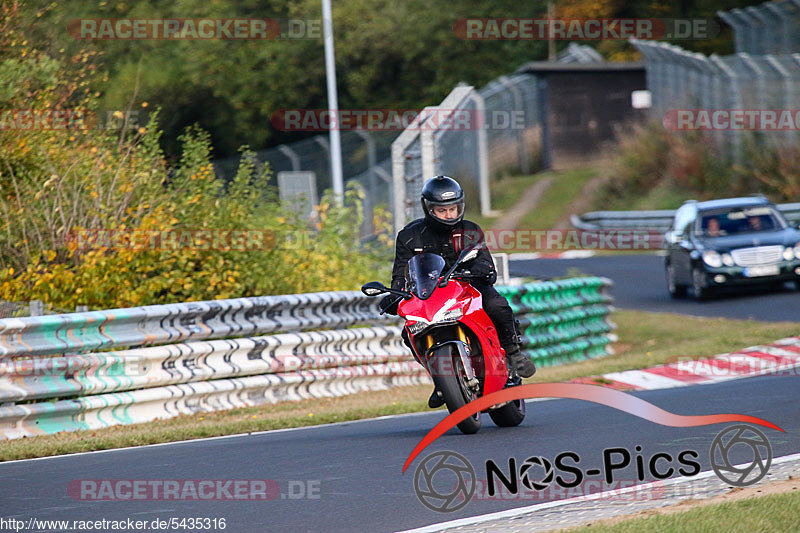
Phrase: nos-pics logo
pixel 445 481
pixel 742 436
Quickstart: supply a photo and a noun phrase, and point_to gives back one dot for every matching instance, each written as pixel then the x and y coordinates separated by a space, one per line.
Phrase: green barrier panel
pixel 562 321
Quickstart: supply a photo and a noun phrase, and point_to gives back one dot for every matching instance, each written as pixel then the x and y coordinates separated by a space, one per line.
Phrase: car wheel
pixel 776 285
pixel 675 290
pixel 700 285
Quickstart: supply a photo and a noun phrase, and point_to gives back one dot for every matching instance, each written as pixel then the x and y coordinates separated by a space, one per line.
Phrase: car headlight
pixel 797 250
pixel 712 259
pixel 727 260
pixel 788 254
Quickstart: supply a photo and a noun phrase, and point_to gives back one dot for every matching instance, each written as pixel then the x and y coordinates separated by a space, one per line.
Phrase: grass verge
pixel 774 512
pixel 648 339
pixel 663 195
pixel 506 191
pixel 645 339
pixel 566 187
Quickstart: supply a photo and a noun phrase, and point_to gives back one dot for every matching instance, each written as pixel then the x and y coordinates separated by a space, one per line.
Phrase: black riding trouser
pixel 500 312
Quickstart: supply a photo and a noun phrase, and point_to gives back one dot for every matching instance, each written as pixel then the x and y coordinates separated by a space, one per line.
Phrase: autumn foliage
pixel 56 182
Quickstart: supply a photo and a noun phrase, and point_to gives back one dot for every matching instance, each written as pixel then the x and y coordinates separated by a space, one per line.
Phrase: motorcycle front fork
pixel 472 382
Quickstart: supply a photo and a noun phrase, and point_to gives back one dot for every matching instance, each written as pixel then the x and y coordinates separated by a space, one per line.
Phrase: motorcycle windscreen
pixel 423 274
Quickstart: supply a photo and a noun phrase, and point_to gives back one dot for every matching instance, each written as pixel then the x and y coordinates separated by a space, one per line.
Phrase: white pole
pixel 333 103
pixel 483 157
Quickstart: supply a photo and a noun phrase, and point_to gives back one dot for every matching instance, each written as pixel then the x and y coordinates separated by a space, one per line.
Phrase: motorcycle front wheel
pixel 452 383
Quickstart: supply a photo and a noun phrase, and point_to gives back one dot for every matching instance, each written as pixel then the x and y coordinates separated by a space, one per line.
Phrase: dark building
pixel 582 104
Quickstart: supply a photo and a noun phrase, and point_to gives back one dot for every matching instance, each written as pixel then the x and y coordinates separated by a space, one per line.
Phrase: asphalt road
pixel 355 468
pixel 639 283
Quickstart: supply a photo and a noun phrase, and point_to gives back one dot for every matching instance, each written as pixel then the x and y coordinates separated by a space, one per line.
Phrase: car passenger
pixel 712 229
pixel 754 223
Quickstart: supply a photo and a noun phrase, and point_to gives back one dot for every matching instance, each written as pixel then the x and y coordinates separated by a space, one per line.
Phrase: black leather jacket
pixel 417 237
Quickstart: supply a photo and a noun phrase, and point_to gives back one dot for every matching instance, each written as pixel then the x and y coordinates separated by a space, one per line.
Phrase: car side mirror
pixel 673 237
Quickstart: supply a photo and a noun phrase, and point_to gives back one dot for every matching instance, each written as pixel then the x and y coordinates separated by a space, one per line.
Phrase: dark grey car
pixel 728 242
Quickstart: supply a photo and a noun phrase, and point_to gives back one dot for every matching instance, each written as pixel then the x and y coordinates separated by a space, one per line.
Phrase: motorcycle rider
pixel 444 232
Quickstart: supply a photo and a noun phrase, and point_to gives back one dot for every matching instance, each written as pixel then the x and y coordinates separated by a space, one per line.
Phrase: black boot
pixel 435 400
pixel 520 362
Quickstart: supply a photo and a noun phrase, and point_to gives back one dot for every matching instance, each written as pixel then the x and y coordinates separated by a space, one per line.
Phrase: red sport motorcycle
pixel 453 337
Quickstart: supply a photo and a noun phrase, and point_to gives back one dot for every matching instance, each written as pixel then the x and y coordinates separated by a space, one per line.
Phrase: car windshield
pixel 423 274
pixel 738 221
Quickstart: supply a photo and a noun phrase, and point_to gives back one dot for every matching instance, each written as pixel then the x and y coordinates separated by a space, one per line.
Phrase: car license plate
pixel 766 270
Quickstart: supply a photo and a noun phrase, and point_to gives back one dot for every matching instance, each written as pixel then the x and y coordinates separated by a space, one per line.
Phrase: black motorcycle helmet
pixel 442 191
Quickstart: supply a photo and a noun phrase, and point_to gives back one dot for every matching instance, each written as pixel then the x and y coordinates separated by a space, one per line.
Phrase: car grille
pixel 759 255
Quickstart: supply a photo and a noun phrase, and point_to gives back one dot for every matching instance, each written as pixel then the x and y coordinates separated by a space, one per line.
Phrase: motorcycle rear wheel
pixel 453 386
pixel 510 415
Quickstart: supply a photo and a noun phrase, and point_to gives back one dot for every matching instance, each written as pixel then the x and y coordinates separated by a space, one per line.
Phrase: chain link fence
pixel 503 136
pixel 682 80
pixel 365 159
pixel 764 75
pixel 506 139
pixel 476 136
pixel 769 28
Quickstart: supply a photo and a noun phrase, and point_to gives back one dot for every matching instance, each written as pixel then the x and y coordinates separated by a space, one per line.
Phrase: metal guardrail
pixel 169 323
pixel 658 220
pixel 125 370
pixel 46 386
pixel 143 405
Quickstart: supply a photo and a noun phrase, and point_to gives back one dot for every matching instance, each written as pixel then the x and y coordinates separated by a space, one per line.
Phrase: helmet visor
pixel 447 212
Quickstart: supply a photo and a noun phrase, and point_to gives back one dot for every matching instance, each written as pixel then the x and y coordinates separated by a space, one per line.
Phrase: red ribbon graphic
pixel 579 391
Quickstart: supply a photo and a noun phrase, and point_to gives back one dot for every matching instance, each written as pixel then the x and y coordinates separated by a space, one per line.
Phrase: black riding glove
pixel 388 304
pixel 481 271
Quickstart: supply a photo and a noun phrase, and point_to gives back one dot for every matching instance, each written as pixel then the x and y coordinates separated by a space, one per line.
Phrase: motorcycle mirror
pixel 467 254
pixel 470 255
pixel 373 288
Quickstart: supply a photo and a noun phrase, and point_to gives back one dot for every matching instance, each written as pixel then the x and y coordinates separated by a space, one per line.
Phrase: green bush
pixel 651 160
pixel 62 188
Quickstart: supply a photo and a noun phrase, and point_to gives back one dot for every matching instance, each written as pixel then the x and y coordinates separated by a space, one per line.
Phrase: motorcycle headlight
pixel 712 259
pixel 727 260
pixel 452 314
pixel 418 326
pixel 788 254
pixel 443 316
